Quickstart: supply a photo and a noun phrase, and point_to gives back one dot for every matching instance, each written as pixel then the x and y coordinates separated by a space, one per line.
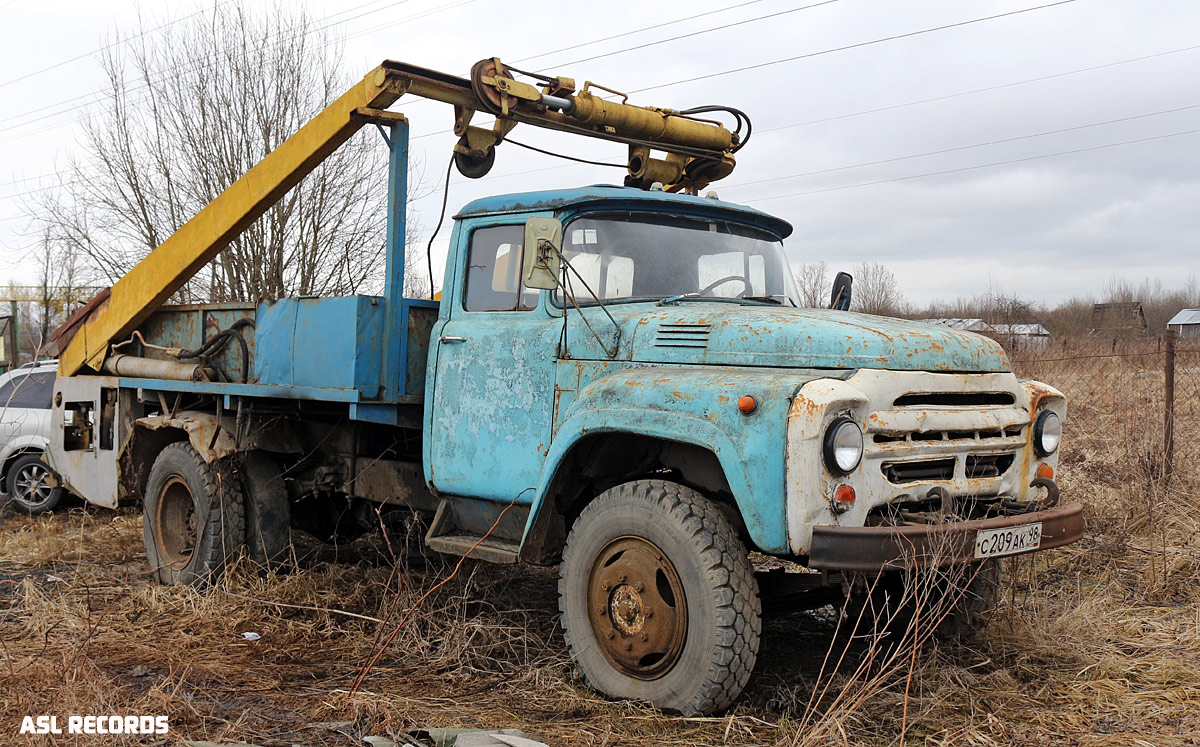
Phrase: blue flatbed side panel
pixel 322 343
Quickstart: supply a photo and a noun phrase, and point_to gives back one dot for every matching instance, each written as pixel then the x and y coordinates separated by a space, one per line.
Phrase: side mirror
pixel 543 242
pixel 840 298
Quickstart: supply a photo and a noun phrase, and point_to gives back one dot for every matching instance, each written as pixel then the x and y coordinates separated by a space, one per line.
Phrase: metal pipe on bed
pixel 153 368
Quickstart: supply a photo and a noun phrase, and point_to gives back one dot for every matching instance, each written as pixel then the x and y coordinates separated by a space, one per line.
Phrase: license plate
pixel 992 543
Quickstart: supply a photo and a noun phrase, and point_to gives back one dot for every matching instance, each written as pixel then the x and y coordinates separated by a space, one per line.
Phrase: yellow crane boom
pixel 697 152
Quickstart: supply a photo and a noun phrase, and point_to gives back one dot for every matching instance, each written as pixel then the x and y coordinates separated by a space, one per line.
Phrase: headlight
pixel 1047 433
pixel 843 446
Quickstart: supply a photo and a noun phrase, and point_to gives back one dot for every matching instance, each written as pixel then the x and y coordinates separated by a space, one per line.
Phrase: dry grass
pixel 1097 644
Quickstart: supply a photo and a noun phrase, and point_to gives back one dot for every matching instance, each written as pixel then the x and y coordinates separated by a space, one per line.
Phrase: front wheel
pixel 658 599
pixel 29 490
pixel 193 519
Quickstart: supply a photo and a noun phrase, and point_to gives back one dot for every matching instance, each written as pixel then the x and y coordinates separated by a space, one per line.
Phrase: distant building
pixel 1186 323
pixel 968 325
pixel 1119 319
pixel 1022 336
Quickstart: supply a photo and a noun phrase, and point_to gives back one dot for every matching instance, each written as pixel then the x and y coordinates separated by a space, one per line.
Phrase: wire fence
pixel 1133 407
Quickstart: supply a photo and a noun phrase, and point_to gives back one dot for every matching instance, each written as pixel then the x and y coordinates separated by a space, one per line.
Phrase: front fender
pixel 696 406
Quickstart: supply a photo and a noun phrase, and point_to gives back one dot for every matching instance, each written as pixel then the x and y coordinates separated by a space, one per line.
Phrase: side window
pixel 34 390
pixel 7 389
pixel 494 271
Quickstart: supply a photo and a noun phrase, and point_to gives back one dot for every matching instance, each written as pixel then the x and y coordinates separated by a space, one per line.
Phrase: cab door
pixel 493 390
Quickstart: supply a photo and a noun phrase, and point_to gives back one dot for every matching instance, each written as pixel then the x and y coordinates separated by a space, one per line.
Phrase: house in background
pixel 1186 323
pixel 1022 336
pixel 967 325
pixel 1118 319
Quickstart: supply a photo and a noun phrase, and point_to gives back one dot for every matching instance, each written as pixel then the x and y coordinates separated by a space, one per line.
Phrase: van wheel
pixel 28 490
pixel 658 599
pixel 268 517
pixel 192 517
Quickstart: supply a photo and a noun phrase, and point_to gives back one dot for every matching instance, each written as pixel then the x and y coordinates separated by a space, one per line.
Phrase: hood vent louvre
pixel 682 335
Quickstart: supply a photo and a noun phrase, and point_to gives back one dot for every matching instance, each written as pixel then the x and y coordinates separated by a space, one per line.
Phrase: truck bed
pixel 319 349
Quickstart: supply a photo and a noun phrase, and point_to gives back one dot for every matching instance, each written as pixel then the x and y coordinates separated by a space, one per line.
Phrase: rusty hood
pixel 728 334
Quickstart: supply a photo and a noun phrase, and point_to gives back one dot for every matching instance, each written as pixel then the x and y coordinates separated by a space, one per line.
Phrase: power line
pixel 698 33
pixel 805 173
pixel 891 160
pixel 979 166
pixel 850 46
pixel 895 106
pixel 95 97
pixel 636 31
pixel 126 40
pixel 417 17
pixel 840 49
pixel 979 90
pixel 963 147
pixel 110 45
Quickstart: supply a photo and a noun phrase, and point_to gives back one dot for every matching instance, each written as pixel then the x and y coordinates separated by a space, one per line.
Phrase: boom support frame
pixel 698 152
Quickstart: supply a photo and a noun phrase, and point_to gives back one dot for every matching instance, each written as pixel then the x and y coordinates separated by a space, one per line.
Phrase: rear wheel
pixel 192 518
pixel 268 517
pixel 658 599
pixel 29 490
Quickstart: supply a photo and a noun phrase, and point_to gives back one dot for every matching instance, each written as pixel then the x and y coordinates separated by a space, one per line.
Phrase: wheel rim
pixel 175 523
pixel 30 486
pixel 637 608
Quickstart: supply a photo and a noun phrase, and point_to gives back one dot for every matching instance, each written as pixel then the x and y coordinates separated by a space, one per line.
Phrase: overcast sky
pixel 881 152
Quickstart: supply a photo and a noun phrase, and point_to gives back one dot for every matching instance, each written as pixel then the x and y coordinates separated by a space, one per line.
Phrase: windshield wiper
pixel 716 299
pixel 680 297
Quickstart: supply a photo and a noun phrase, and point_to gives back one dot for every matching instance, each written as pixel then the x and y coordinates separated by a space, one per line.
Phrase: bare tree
pixel 812 282
pixel 189 109
pixel 41 307
pixel 876 290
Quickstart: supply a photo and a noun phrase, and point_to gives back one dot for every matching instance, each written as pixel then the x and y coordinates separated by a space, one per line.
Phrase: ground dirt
pixel 1096 644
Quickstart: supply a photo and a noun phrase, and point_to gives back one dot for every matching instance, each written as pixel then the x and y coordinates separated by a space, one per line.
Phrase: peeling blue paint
pixel 508 394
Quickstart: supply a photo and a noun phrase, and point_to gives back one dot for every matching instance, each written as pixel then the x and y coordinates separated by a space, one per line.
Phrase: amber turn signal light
pixel 844 496
pixel 1046 471
pixel 747 404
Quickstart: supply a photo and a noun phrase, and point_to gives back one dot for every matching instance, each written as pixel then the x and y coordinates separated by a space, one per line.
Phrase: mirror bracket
pixel 543 243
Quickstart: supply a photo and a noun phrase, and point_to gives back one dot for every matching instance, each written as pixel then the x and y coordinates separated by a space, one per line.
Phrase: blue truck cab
pixel 621 382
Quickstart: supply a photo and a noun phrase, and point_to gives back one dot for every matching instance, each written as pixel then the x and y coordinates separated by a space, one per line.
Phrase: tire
pixel 976 605
pixel 703 650
pixel 193 520
pixel 268 516
pixel 889 608
pixel 28 491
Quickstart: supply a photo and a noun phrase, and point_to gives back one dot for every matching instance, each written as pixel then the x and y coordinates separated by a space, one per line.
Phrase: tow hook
pixel 944 499
pixel 1052 492
pixel 1024 507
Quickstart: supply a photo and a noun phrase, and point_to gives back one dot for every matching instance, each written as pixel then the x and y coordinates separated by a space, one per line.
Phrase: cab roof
pixel 607 196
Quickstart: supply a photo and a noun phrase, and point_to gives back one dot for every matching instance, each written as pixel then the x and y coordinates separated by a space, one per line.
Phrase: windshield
pixel 632 256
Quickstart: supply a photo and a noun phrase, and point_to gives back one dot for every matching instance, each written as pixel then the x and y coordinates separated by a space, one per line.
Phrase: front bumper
pixel 872 549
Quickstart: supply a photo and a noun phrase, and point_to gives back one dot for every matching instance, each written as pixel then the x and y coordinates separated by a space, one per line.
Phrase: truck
pixel 618 379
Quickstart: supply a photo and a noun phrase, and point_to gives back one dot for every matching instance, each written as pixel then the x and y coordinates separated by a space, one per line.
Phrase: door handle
pixel 448 339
